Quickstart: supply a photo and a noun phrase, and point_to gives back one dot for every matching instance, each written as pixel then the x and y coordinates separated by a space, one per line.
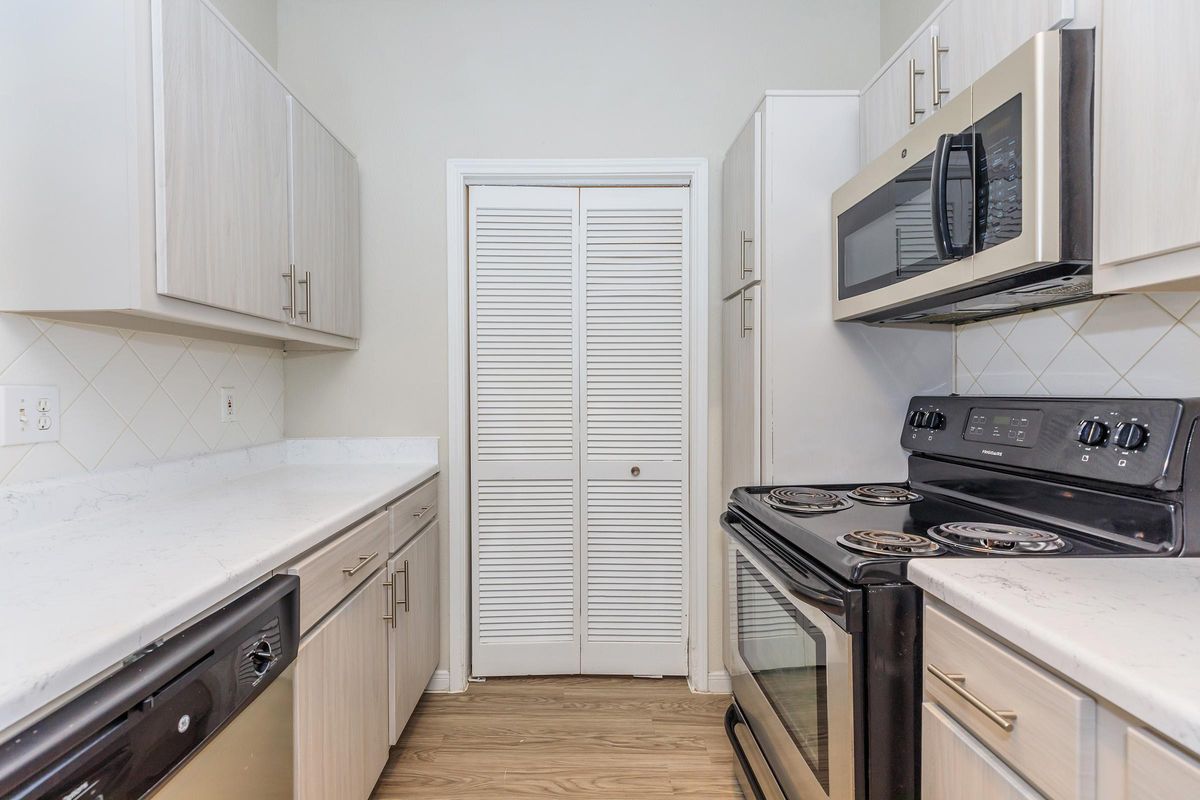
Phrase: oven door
pixel 792 669
pixel 903 228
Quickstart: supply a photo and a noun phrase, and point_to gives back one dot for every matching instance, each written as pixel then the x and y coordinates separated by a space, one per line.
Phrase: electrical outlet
pixel 28 414
pixel 228 404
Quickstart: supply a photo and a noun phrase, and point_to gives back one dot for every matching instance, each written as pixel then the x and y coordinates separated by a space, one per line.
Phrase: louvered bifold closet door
pixel 634 253
pixel 524 441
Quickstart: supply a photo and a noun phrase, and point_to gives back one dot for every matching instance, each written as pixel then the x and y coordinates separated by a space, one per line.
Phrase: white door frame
pixel 461 173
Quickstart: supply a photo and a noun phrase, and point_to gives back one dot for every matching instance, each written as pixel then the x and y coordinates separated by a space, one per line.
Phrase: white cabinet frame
pixel 461 173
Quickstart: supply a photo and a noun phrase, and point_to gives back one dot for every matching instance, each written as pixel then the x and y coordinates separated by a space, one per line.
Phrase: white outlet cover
pixel 29 415
pixel 229 406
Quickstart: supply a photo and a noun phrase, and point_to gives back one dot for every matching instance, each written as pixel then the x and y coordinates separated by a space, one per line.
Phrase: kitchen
pixel 485 399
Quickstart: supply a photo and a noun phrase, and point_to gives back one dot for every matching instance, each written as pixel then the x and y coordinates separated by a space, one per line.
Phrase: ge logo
pixel 184 722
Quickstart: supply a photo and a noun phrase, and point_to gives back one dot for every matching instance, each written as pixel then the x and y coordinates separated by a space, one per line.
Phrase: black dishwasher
pixel 132 734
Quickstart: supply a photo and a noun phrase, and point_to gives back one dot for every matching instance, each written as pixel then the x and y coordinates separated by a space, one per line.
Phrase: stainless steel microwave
pixel 985 208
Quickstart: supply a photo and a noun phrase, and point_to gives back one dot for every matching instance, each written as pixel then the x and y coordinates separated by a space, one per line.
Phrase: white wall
pixel 256 20
pixel 409 84
pixel 899 19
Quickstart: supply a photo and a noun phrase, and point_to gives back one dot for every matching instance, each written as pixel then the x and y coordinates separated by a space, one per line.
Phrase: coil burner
pixel 802 500
pixel 998 539
pixel 880 495
pixel 890 543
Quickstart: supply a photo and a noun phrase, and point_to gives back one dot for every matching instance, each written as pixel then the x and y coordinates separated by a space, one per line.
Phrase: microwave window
pixel 998 186
pixel 888 236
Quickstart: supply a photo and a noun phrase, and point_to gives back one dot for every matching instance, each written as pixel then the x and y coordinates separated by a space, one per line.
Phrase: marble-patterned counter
pixel 1125 629
pixel 93 570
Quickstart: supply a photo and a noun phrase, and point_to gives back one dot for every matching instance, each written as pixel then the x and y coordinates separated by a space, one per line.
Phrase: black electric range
pixel 824 630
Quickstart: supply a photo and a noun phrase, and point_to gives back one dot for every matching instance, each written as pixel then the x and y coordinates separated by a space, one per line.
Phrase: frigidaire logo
pixel 992 452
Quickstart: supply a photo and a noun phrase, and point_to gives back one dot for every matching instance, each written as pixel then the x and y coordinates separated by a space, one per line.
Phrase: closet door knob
pixel 635 471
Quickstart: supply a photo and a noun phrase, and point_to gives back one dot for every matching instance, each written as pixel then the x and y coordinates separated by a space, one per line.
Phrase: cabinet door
pixel 954 765
pixel 990 31
pixel 741 390
pixel 741 192
pixel 1149 162
pixel 1156 771
pixel 415 640
pixel 324 227
pixel 340 712
pixel 221 164
pixel 886 111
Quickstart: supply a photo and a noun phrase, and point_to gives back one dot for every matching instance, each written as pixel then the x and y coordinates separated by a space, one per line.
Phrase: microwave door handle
pixel 938 205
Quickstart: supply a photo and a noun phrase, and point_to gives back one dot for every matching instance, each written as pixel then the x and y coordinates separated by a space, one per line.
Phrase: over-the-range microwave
pixel 985 208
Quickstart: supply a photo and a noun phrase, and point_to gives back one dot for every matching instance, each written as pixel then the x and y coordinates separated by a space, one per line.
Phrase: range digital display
pixel 1000 426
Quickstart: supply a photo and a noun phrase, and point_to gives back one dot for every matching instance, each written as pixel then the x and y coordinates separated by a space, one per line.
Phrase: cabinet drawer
pixel 1051 728
pixel 954 765
pixel 412 512
pixel 1154 770
pixel 332 572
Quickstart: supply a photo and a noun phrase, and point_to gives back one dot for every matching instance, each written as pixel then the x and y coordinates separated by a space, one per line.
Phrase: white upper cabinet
pixel 1147 225
pixel 963 40
pixel 741 209
pixel 221 118
pixel 151 187
pixel 324 228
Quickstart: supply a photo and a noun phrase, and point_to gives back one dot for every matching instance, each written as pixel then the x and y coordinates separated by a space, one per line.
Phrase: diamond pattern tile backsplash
pixel 1128 345
pixel 131 398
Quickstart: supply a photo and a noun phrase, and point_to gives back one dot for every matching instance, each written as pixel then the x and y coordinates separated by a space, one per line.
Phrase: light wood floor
pixel 610 738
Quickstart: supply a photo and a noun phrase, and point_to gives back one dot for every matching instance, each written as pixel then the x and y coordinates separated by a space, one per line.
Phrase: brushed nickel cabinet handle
pixel 306 282
pixel 422 512
pixel 747 314
pixel 913 72
pixel 936 67
pixel 405 600
pixel 745 241
pixel 390 585
pixel 1004 719
pixel 362 562
pixel 290 277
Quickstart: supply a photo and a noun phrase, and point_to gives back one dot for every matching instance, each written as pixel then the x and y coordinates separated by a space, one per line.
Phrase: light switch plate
pixel 29 414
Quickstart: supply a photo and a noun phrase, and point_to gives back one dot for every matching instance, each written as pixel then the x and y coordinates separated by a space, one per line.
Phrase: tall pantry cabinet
pixel 805 399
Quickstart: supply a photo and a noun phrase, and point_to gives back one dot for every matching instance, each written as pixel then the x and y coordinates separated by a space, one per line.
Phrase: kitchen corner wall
pixel 1129 345
pixel 133 398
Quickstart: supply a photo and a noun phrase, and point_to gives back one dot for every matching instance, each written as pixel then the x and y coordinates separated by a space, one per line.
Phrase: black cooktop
pixel 812 538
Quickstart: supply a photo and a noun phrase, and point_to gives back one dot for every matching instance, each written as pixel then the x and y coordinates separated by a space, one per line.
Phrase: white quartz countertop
pixel 1125 629
pixel 78 595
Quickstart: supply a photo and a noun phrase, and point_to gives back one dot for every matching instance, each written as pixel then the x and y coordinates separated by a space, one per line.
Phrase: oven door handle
pixel 805 585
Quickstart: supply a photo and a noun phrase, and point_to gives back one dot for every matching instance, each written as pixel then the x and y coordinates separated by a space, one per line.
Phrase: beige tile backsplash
pixel 130 397
pixel 1128 345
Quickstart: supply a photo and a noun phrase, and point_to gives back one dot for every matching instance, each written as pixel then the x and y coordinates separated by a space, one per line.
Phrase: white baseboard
pixel 440 682
pixel 718 683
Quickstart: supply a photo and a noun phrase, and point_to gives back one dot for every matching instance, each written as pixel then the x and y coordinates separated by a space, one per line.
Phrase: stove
pixel 824 640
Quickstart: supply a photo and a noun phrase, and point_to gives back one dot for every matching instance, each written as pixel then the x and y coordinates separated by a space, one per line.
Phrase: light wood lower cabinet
pixel 1154 770
pixel 340 706
pixel 414 640
pixel 955 765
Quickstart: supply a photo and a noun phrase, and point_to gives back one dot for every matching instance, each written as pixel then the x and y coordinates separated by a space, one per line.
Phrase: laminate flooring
pixel 587 737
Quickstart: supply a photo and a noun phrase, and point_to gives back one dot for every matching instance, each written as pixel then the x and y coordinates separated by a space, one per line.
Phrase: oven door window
pixel 786 655
pixel 889 236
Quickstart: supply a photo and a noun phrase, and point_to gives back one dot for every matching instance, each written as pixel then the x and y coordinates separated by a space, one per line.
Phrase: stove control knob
pixel 917 420
pixel 1092 433
pixel 1130 436
pixel 935 420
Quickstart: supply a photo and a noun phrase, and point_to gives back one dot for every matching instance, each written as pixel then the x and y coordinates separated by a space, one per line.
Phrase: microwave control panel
pixel 1128 441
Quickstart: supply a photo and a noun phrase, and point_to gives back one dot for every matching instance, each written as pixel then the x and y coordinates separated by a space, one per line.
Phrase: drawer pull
pixel 1004 719
pixel 362 562
pixel 421 513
